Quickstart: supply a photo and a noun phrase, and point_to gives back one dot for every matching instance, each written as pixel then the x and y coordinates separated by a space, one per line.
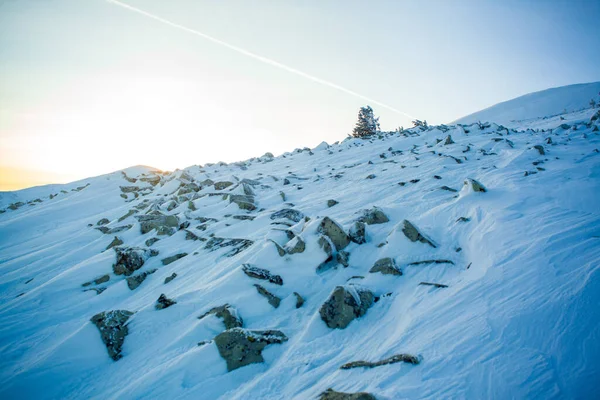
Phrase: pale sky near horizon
pixel 87 87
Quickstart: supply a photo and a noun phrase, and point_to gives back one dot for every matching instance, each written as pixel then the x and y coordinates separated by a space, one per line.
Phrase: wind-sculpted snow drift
pixel 465 266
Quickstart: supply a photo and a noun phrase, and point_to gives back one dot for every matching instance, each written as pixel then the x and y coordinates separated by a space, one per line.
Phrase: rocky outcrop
pixel 260 273
pixel 164 302
pixel 386 266
pixel 113 329
pixel 413 234
pixel 130 259
pixel 173 258
pixel 163 224
pixel 228 314
pixel 334 232
pixel 345 304
pixel 240 347
pixel 357 232
pixel 288 213
pixel 374 216
pixel 331 394
pixel 406 358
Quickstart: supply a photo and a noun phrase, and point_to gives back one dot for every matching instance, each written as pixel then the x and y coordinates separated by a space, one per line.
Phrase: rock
pixel 331 203
pixel 228 314
pixel 110 231
pixel 116 242
pixel 129 189
pixel 103 221
pixel 326 245
pixel 387 266
pixel 244 202
pixel 164 302
pixel 296 245
pixel 151 241
pixel 238 245
pixel 162 223
pixel 357 232
pixel 331 394
pixel 374 216
pixel 170 278
pixel 113 329
pixel 189 235
pixel 449 189
pixel 240 347
pixel 127 215
pixel 188 188
pixel 102 279
pixel 407 358
pixel 260 273
pixel 152 179
pixel 463 219
pixel 334 232
pixel 133 282
pixel 289 213
pixel 271 298
pixel 413 234
pixel 244 217
pixel 343 257
pixel 222 185
pixel 372 176
pixel 299 300
pixel 280 249
pixel 448 140
pixel 475 185
pixel 130 259
pixel 345 304
pixel 173 258
pixel 540 149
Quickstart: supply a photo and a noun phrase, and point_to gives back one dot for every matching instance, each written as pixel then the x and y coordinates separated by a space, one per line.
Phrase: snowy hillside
pixel 538 105
pixel 444 262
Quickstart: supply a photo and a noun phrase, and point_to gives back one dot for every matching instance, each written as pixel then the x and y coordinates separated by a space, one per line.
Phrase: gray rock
pixel 260 273
pixel 280 249
pixel 164 302
pixel 386 266
pixel 152 179
pixel 475 185
pixel 343 257
pixel 540 149
pixel 127 215
pixel 271 298
pixel 331 203
pixel 289 213
pixel 170 278
pixel 374 216
pixel 103 221
pixel 448 140
pixel 331 394
pixel 151 241
pixel 173 258
pixel 299 300
pixel 413 234
pixel 162 223
pixel 129 189
pixel 115 242
pixel 334 232
pixel 113 329
pixel 130 259
pixel 228 314
pixel 133 282
pixel 296 245
pixel 357 232
pixel 345 304
pixel 238 245
pixel 222 185
pixel 406 358
pixel 244 202
pixel 240 347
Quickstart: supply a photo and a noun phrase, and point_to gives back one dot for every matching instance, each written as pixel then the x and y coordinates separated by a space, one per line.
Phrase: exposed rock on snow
pixel 164 302
pixel 113 329
pixel 343 257
pixel 240 347
pixel 173 258
pixel 386 266
pixel 164 224
pixel 130 259
pixel 263 274
pixel 345 304
pixel 289 213
pixel 244 202
pixel 374 216
pixel 475 185
pixel 115 242
pixel 406 358
pixel 357 232
pixel 299 300
pixel 228 314
pixel 413 234
pixel 222 185
pixel 271 298
pixel 296 245
pixel 133 282
pixel 331 202
pixel 334 232
pixel 331 394
pixel 170 277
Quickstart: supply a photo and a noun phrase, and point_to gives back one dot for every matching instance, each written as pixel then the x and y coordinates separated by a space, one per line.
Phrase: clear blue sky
pixel 87 87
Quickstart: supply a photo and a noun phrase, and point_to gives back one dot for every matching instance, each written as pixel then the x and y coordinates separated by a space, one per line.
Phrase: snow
pixel 519 319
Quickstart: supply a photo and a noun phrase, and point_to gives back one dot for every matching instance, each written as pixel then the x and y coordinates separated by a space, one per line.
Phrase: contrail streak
pixel 259 57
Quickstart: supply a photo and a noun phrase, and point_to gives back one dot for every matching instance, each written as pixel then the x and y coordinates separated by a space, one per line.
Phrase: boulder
pixel 448 140
pixel 540 149
pixel 413 234
pixel 296 245
pixel 334 232
pixel 260 273
pixel 331 394
pixel 170 278
pixel 162 223
pixel 113 329
pixel 222 185
pixel 244 202
pixel 133 282
pixel 386 266
pixel 357 232
pixel 130 259
pixel 331 202
pixel 289 213
pixel 271 298
pixel 103 221
pixel 475 185
pixel 228 314
pixel 240 347
pixel 151 241
pixel 345 304
pixel 164 302
pixel 299 300
pixel 173 258
pixel 374 216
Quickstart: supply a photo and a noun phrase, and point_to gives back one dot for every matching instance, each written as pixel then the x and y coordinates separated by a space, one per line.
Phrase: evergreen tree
pixel 367 124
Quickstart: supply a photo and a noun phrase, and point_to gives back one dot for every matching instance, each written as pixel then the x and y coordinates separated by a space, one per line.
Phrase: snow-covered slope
pixel 538 105
pixel 515 314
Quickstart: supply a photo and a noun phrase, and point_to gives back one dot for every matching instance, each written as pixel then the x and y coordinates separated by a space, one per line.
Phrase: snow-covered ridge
pixel 444 262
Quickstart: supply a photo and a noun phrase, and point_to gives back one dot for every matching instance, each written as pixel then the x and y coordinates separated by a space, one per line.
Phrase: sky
pixel 88 87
